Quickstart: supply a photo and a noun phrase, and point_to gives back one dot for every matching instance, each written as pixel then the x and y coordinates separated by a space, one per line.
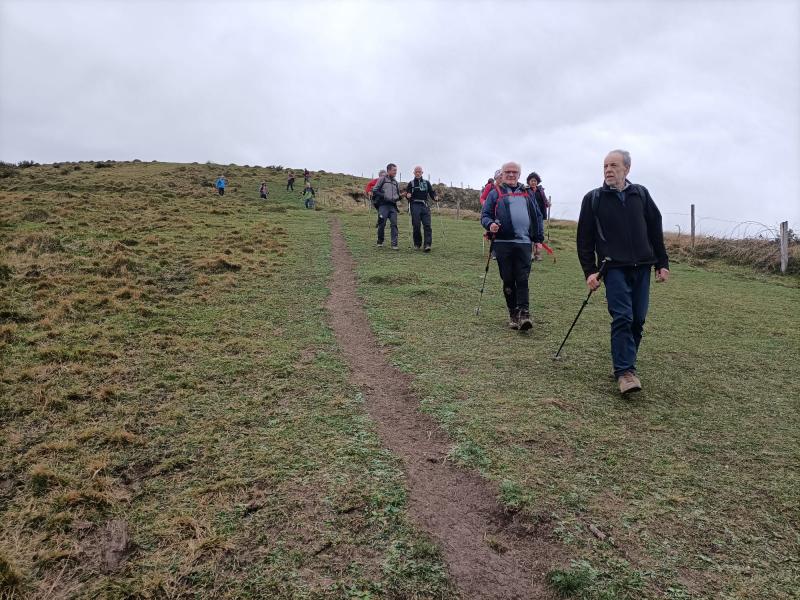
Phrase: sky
pixel 705 95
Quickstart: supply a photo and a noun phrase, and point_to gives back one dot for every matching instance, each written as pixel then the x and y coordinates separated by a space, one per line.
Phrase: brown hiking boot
pixel 524 319
pixel 513 320
pixel 629 382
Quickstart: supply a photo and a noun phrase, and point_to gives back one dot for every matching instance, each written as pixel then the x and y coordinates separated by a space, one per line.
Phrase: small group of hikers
pixel 309 194
pixel 620 240
pixel 290 179
pixel 384 193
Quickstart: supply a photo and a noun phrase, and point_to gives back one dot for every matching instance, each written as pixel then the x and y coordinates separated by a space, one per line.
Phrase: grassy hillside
pixel 176 418
pixel 168 379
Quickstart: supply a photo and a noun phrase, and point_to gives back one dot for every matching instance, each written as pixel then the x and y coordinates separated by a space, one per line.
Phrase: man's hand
pixel 662 275
pixel 494 227
pixel 593 281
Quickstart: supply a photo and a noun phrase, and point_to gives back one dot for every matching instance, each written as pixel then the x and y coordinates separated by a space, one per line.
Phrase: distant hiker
pixel 371 184
pixel 290 182
pixel 309 195
pixel 537 191
pixel 490 185
pixel 418 191
pixel 512 218
pixel 306 175
pixel 385 195
pixel 620 222
pixel 220 184
pixel 263 191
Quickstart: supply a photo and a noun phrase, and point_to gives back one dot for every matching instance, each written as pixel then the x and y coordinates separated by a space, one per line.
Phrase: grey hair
pixel 626 156
pixel 381 173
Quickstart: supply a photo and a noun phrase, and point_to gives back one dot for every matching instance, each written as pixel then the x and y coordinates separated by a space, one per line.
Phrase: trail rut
pixel 489 554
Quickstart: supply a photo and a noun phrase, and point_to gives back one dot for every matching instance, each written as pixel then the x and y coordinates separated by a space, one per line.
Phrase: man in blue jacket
pixel 220 184
pixel 515 224
pixel 620 221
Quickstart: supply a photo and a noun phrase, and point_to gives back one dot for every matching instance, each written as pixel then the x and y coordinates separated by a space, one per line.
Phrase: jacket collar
pixel 607 187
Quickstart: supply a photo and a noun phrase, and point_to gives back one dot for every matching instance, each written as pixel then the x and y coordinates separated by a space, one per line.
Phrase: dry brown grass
pixel 762 255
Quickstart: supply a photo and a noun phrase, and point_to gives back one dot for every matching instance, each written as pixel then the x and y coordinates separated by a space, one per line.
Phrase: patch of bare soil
pixel 490 554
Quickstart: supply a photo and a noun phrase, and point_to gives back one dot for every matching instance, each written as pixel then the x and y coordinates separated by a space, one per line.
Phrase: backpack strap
pixel 595 204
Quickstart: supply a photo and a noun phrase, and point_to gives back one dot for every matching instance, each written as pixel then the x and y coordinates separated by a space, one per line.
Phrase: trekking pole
pixel 550 202
pixel 411 223
pixel 585 302
pixel 486 272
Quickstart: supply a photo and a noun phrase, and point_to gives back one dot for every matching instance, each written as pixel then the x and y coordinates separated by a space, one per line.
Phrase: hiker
pixel 620 222
pixel 290 182
pixel 490 185
pixel 220 185
pixel 385 195
pixel 537 191
pixel 418 191
pixel 306 175
pixel 514 224
pixel 371 184
pixel 263 191
pixel 309 195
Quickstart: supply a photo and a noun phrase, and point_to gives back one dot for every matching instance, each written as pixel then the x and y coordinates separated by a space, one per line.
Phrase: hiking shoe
pixel 417 247
pixel 395 247
pixel 427 249
pixel 513 321
pixel 379 244
pixel 524 320
pixel 629 382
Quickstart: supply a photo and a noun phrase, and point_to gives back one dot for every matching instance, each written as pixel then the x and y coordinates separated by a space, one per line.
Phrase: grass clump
pixel 572 582
pixel 10 579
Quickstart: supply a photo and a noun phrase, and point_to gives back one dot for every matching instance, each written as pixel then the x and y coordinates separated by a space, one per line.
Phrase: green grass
pixel 166 362
pixel 694 482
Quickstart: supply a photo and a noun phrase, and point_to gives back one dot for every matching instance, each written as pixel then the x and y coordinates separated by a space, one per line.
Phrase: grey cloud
pixel 704 94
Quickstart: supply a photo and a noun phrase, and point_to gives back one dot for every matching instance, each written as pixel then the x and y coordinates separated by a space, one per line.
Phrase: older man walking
pixel 620 222
pixel 418 191
pixel 513 220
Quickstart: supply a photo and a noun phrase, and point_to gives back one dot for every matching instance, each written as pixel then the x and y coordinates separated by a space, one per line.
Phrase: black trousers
pixel 387 212
pixel 221 191
pixel 514 264
pixel 290 185
pixel 421 214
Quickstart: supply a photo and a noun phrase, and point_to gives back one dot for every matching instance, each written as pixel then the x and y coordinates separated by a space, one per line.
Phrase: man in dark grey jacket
pixel 386 193
pixel 620 222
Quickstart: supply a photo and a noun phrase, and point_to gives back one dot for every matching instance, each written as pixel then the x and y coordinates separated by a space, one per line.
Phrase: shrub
pixel 24 164
pixel 102 165
pixel 7 170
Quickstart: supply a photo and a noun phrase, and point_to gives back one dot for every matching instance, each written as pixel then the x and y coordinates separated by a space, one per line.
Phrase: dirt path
pixel 488 553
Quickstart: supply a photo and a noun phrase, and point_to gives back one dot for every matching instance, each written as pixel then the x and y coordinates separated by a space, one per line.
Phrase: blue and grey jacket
pixel 497 209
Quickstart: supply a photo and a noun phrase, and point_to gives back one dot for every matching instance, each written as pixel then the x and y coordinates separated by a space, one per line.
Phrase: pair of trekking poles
pixel 600 273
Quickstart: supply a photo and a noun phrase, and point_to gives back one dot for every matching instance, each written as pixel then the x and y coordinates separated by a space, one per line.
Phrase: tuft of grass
pixel 10 579
pixel 42 478
pixel 572 582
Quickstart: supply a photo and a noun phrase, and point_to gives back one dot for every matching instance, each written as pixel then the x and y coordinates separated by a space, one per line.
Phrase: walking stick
pixel 486 271
pixel 585 302
pixel 549 203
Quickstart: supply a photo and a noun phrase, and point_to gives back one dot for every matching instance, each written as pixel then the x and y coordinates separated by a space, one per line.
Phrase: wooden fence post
pixel 458 209
pixel 784 246
pixel 692 226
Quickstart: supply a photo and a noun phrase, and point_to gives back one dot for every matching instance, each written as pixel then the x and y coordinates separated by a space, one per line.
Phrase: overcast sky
pixel 705 95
